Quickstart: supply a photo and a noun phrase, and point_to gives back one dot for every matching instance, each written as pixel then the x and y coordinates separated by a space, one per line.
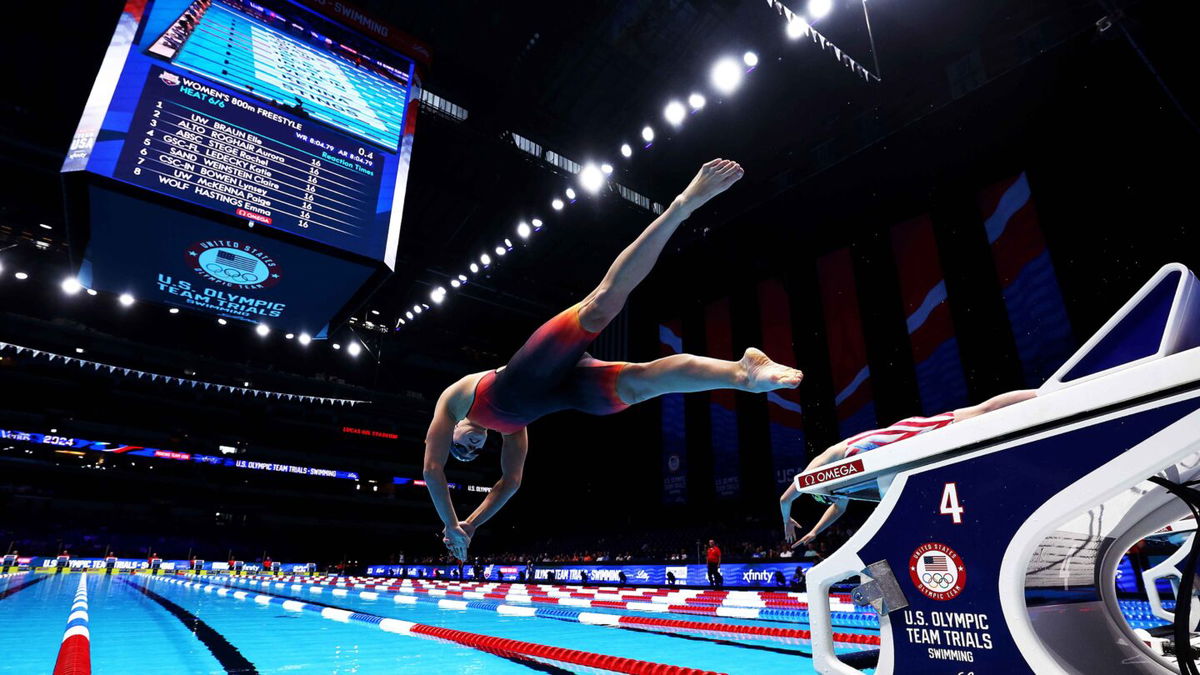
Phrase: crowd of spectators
pixel 683 546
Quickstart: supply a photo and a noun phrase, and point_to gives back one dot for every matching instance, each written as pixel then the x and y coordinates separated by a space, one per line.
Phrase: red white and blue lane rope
pixel 763 605
pixel 727 631
pixel 486 643
pixel 75 652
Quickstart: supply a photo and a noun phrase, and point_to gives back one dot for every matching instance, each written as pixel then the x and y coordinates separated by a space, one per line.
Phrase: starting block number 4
pixel 950 506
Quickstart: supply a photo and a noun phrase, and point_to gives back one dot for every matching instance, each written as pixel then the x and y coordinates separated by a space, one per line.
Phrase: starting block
pixel 995 542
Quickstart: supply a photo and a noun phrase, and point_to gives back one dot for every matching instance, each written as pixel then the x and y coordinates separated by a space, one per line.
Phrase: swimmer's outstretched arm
pixel 437 451
pixel 835 511
pixel 512 466
pixel 634 263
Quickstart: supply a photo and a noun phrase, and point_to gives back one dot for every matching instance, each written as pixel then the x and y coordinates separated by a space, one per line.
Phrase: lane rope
pixel 75 651
pixel 487 643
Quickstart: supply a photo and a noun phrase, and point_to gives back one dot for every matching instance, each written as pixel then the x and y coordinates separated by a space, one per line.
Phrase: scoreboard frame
pixel 79 181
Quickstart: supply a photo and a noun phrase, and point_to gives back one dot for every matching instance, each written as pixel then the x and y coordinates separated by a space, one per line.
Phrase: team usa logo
pixel 233 264
pixel 937 571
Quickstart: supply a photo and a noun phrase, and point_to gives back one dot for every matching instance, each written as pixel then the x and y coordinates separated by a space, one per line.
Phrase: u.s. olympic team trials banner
pixel 1031 294
pixel 940 379
pixel 847 347
pixel 718 330
pixel 674 431
pixel 784 413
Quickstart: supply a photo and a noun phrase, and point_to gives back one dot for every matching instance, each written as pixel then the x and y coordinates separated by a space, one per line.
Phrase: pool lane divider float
pixel 75 652
pixel 763 606
pixel 495 645
pixel 719 630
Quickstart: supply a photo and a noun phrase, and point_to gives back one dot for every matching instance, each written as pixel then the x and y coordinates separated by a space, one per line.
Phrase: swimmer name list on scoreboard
pixel 199 143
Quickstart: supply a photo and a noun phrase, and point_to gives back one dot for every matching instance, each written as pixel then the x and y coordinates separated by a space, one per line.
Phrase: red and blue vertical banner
pixel 785 416
pixel 853 396
pixel 674 430
pixel 940 379
pixel 718 331
pixel 1031 293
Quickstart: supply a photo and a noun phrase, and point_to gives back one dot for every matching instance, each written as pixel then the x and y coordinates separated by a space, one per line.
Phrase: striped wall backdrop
pixel 785 416
pixel 847 348
pixel 1031 293
pixel 941 381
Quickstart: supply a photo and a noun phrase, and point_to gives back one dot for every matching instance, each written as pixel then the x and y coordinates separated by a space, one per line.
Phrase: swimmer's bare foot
pixel 763 374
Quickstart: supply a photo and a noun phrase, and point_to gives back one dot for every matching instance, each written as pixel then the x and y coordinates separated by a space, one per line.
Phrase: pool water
pixel 170 625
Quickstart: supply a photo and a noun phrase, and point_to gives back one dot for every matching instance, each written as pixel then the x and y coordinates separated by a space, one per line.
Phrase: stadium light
pixel 91 291
pixel 557 204
pixel 523 230
pixel 126 299
pixel 354 348
pixel 626 151
pixel 537 223
pixel 462 278
pixel 44 226
pixel 222 322
pixel 500 250
pixel 337 346
pixel 262 329
pixel 571 192
pixel 409 315
pixel 647 134
pixel 606 169
pixel 455 283
pixel 71 286
pixel 674 113
pixel 418 309
pixel 750 59
pixel 474 268
pixel 485 259
pixel 21 275
pixel 437 295
pixel 290 336
pixel 507 243
pixel 173 310
pixel 819 9
pixel 797 27
pixel 696 101
pixel 726 75
pixel 591 178
pixel 305 338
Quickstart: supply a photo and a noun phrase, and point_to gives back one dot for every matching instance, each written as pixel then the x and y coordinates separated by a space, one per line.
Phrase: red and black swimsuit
pixel 552 371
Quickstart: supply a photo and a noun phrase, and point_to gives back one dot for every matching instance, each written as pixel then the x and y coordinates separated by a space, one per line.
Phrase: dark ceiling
pixel 579 78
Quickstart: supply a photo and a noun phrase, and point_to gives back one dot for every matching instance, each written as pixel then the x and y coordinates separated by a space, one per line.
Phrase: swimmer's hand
pixel 805 540
pixel 457 540
pixel 713 178
pixel 789 530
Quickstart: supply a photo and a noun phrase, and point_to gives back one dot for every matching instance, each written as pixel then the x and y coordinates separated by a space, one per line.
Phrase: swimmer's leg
pixel 685 373
pixel 633 264
pixel 995 403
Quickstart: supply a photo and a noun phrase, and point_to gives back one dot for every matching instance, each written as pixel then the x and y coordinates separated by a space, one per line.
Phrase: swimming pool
pixel 170 624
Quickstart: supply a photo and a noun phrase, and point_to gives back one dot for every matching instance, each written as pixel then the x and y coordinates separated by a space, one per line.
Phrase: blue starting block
pixel 995 542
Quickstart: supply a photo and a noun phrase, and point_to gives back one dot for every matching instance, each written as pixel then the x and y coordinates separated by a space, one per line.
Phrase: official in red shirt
pixel 714 564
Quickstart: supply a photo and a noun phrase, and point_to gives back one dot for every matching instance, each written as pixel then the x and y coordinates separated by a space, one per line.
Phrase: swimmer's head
pixel 468 440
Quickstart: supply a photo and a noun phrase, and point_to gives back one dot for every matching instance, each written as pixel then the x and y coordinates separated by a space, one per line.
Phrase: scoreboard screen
pixel 268 112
